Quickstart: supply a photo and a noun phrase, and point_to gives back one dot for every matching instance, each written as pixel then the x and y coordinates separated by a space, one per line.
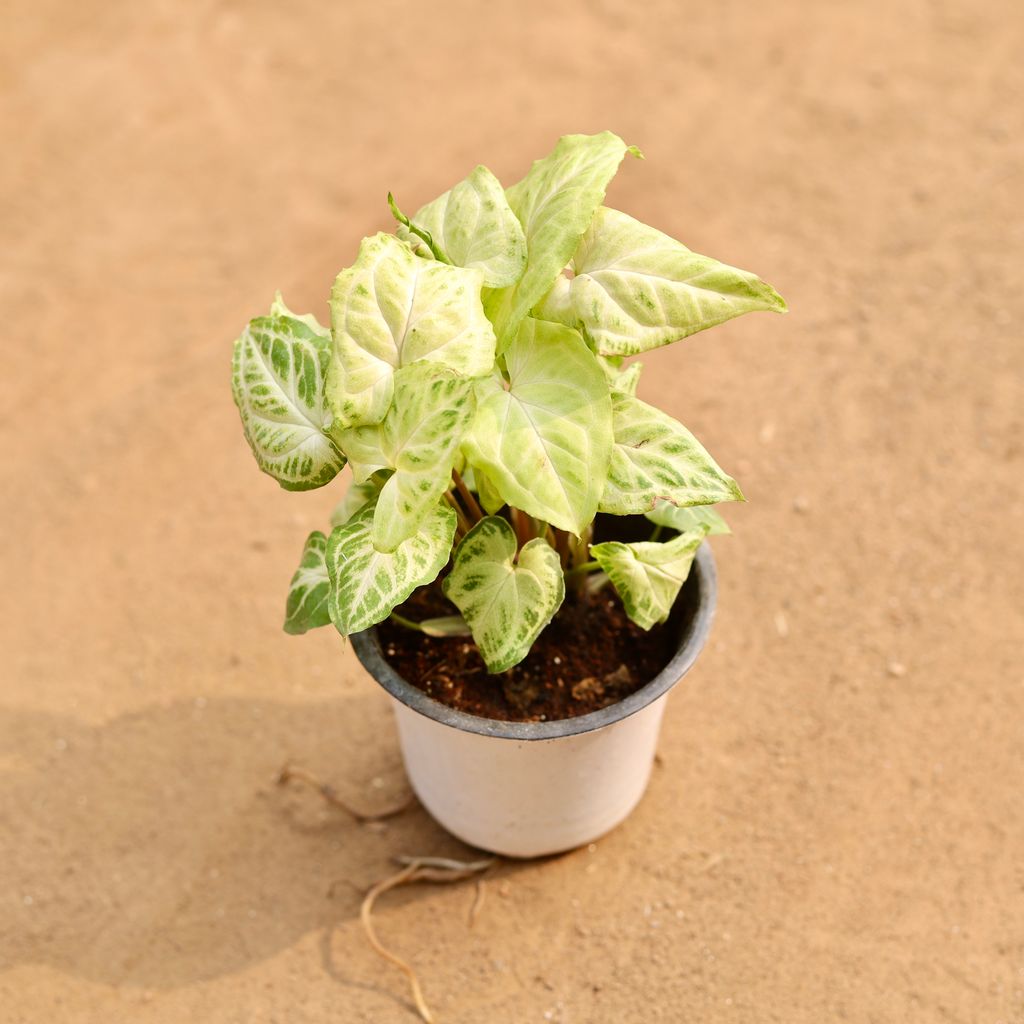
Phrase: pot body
pixel 525 789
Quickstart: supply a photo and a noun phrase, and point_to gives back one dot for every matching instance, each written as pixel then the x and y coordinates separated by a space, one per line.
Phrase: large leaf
pixel 555 204
pixel 634 288
pixel 277 380
pixel 545 442
pixel 367 584
pixel 686 519
pixel 648 576
pixel 474 227
pixel 506 601
pixel 391 309
pixel 358 496
pixel 419 439
pixel 310 588
pixel 656 457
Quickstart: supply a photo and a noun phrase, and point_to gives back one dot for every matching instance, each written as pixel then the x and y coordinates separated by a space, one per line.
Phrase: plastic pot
pixel 525 789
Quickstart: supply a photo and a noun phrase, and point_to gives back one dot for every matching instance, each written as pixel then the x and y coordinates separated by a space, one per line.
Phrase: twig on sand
pixel 416 869
pixel 291 772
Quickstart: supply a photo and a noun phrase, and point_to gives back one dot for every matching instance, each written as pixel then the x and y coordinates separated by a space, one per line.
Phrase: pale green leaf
pixel 391 309
pixel 655 456
pixel 357 497
pixel 555 204
pixel 446 625
pixel 277 380
pixel 545 442
pixel 648 576
pixel 474 227
pixel 626 380
pixel 310 588
pixel 506 601
pixel 685 519
pixel 419 439
pixel 367 584
pixel 634 288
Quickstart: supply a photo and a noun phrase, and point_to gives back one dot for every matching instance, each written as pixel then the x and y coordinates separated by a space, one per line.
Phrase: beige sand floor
pixel 836 828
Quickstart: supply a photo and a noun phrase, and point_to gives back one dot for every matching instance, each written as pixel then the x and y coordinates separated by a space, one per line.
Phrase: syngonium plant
pixel 473 380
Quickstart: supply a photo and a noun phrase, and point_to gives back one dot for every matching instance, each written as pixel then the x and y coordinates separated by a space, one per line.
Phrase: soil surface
pixel 834 829
pixel 589 656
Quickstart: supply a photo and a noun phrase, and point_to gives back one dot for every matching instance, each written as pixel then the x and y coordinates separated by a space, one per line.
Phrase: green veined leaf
pixel 310 588
pixel 545 442
pixel 555 203
pixel 635 288
pixel 391 309
pixel 686 519
pixel 648 576
pixel 506 601
pixel 357 497
pixel 473 225
pixel 654 457
pixel 367 584
pixel 277 380
pixel 419 439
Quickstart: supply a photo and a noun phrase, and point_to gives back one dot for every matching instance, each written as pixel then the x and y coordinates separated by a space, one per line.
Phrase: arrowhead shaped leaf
pixel 545 443
pixel 277 380
pixel 357 497
pixel 367 584
pixel 391 309
pixel 635 288
pixel 687 519
pixel 310 588
pixel 656 457
pixel 555 204
pixel 474 227
pixel 507 602
pixel 648 576
pixel 419 439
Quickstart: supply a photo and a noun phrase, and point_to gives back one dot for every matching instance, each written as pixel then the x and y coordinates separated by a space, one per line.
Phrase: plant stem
pixel 408 623
pixel 583 569
pixel 472 505
pixel 655 534
pixel 464 523
pixel 520 525
pixel 562 547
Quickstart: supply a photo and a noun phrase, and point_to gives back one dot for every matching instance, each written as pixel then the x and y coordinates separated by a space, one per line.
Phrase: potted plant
pixel 519 559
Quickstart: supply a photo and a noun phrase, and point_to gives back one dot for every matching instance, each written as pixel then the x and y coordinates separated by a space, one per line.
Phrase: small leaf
pixel 367 584
pixel 474 227
pixel 555 204
pixel 627 379
pixel 545 442
pixel 392 309
pixel 648 576
pixel 357 497
pixel 446 625
pixel 419 439
pixel 277 380
pixel 654 457
pixel 310 588
pixel 685 519
pixel 507 602
pixel 635 288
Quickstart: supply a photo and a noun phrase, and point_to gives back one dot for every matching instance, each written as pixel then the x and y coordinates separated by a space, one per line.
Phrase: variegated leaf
pixel 655 456
pixel 555 203
pixel 648 576
pixel 277 380
pixel 545 441
pixel 392 309
pixel 685 519
pixel 367 584
pixel 419 439
pixel 506 601
pixel 310 588
pixel 357 497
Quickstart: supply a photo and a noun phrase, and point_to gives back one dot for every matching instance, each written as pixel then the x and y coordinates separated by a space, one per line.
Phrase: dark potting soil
pixel 591 655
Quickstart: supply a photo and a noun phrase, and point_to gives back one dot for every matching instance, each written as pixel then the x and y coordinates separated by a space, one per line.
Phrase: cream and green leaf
pixel 310 588
pixel 647 576
pixel 634 288
pixel 357 497
pixel 392 309
pixel 278 371
pixel 686 519
pixel 656 457
pixel 544 439
pixel 505 599
pixel 474 227
pixel 368 584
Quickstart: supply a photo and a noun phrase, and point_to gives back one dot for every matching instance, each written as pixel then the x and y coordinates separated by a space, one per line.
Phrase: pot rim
pixel 694 635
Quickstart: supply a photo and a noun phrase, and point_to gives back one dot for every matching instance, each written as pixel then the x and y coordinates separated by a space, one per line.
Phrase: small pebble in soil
pixel 896 669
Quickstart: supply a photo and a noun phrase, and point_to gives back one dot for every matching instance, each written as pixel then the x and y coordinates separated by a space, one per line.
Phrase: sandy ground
pixel 836 828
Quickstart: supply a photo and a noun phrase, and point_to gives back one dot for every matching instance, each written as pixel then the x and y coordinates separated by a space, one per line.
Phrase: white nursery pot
pixel 525 789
